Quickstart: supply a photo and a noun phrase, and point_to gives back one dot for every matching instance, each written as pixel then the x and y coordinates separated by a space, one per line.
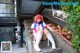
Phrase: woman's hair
pixel 38 16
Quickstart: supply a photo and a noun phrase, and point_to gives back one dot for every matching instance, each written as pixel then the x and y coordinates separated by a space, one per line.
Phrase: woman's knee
pixel 46 31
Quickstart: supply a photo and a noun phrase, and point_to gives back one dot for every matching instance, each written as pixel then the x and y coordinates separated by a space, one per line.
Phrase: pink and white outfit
pixel 38 27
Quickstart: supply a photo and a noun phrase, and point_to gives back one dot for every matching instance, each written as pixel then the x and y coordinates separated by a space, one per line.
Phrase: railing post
pixel 19 35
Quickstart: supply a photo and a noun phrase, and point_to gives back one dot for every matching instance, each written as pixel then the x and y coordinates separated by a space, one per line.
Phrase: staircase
pixel 43 44
pixel 62 45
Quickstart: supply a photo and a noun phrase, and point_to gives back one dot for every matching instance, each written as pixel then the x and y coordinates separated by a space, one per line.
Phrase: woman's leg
pixel 50 38
pixel 34 36
pixel 38 38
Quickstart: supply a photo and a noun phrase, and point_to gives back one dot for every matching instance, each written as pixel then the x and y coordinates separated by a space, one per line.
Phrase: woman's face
pixel 38 20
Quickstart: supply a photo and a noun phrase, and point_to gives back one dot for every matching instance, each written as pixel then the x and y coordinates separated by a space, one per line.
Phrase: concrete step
pixel 48 49
pixel 58 50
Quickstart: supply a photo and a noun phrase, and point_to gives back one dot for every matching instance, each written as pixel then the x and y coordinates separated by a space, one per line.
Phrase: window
pixel 7 8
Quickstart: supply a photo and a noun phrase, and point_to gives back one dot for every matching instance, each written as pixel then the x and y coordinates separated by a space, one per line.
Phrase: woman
pixel 38 28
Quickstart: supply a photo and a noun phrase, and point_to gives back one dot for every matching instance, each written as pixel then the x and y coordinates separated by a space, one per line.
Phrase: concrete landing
pixel 15 49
